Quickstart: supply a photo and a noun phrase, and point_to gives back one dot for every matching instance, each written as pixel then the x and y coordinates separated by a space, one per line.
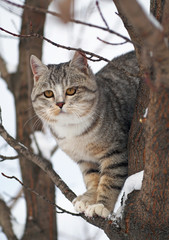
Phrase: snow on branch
pixel 133 182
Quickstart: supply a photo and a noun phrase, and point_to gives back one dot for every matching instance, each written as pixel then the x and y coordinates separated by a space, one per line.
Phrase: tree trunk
pixel 147 211
pixel 41 217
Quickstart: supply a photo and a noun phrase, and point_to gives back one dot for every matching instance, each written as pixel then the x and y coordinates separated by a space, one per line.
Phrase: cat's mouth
pixel 58 111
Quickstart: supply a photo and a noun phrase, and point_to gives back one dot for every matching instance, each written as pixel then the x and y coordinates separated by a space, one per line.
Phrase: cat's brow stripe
pixel 38 95
pixel 87 89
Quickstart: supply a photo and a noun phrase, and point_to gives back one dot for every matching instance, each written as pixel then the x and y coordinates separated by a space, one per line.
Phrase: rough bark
pixel 146 214
pixel 41 218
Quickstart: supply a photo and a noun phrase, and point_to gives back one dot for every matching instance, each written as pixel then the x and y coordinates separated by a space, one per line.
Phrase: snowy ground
pixel 69 35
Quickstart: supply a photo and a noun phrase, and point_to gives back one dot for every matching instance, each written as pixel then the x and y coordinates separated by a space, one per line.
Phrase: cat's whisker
pixel 29 108
pixel 29 120
pixel 36 124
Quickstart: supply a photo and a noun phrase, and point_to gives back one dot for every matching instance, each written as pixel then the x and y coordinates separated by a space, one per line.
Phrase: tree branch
pixel 3 158
pixel 165 20
pixel 41 10
pixel 105 224
pixel 97 57
pixel 41 162
pixel 101 14
pixel 152 36
pixel 36 35
pixel 40 196
pixel 113 44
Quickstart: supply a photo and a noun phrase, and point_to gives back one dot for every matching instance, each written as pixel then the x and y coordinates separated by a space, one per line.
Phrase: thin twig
pixel 36 35
pixel 101 14
pixel 3 158
pixel 36 9
pixel 40 196
pixel 113 44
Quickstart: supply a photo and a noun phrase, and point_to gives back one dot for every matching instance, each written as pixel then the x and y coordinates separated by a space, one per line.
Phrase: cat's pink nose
pixel 60 104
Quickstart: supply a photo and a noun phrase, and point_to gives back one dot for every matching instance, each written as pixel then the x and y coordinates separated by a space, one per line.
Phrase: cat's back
pixel 118 82
pixel 121 72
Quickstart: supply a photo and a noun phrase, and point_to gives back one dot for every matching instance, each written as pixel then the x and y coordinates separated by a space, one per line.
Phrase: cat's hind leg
pixel 113 175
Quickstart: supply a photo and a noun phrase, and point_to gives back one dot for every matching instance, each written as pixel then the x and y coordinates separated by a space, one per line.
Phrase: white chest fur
pixel 69 138
pixel 69 126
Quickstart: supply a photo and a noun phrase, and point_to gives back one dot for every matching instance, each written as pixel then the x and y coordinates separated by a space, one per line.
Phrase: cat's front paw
pixel 97 209
pixel 80 206
pixel 83 201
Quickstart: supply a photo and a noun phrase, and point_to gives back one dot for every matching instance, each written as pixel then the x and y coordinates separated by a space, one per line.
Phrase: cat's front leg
pixel 113 174
pixel 91 177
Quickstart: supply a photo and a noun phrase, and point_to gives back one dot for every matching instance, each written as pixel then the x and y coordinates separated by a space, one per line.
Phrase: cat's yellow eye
pixel 71 91
pixel 48 94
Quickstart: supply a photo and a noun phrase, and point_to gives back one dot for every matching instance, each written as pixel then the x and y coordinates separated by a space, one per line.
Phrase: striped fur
pixel 93 124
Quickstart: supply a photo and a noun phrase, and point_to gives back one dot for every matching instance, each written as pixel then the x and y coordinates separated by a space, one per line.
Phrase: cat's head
pixel 63 90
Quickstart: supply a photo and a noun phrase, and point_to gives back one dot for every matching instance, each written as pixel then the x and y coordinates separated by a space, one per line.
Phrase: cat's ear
pixel 80 61
pixel 38 68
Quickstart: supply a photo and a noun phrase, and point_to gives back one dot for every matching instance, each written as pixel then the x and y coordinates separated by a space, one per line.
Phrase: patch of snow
pixel 22 145
pixel 146 113
pixel 134 182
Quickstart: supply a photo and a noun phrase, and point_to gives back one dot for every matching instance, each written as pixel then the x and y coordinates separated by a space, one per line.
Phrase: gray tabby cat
pixel 90 117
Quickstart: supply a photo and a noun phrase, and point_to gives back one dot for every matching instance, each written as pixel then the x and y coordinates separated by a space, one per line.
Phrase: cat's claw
pixel 97 209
